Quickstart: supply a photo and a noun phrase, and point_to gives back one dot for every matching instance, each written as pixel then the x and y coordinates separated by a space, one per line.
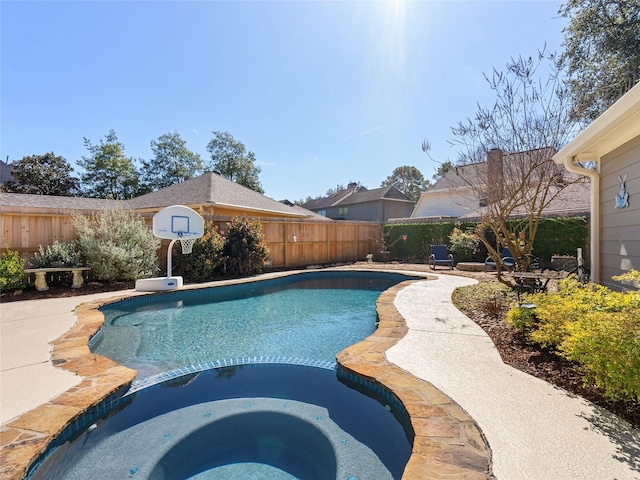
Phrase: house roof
pixel 384 193
pixel 208 189
pixel 332 200
pixel 615 127
pixel 213 189
pixel 459 176
pixel 25 200
pixel 573 199
pixel 350 196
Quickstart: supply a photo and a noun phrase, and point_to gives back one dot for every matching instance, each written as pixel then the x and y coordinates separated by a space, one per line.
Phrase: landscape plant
pixel 463 244
pixel 592 325
pixel 11 270
pixel 58 255
pixel 206 258
pixel 118 245
pixel 66 254
pixel 245 250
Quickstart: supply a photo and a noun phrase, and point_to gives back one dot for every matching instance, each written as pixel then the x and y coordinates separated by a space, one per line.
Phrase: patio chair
pixel 440 256
pixel 506 260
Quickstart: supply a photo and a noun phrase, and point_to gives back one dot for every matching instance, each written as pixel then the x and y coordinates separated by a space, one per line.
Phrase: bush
pixel 607 347
pixel 118 245
pixel 11 271
pixel 64 253
pixel 593 326
pixel 206 258
pixel 463 245
pixel 521 318
pixel 245 250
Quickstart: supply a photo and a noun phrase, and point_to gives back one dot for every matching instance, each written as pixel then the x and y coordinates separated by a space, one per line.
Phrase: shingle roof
pixel 331 201
pixel 53 202
pixel 211 188
pixel 350 196
pixel 362 195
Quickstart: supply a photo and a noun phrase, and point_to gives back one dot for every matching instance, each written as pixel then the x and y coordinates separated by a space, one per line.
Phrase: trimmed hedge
pixel 555 236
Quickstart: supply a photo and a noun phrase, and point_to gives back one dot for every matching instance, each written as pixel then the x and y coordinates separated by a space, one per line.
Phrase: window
pixel 322 212
pixel 343 211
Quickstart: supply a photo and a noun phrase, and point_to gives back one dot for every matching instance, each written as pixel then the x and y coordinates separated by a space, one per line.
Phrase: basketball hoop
pixel 187 245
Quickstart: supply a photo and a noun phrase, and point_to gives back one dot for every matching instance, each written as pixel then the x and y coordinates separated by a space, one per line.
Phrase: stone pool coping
pixel 447 442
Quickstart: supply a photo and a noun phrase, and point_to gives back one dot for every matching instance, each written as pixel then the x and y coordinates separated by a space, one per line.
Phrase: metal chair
pixel 507 261
pixel 440 256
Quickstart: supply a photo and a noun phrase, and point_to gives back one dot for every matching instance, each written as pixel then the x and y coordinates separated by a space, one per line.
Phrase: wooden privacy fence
pixel 292 244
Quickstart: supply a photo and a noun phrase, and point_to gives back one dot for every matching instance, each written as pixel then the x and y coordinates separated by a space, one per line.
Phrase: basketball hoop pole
pixel 169 256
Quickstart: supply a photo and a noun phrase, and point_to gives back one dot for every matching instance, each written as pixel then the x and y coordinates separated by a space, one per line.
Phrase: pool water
pixel 311 315
pixel 254 421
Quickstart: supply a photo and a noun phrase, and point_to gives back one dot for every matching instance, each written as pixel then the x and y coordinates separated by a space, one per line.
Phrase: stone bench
pixel 41 280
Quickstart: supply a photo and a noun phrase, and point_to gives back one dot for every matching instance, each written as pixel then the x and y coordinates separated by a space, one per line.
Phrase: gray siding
pixel 620 227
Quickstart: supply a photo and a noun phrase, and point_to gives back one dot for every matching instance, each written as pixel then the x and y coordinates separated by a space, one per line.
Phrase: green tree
pixel 45 174
pixel 602 52
pixel 172 163
pixel 231 158
pixel 108 172
pixel 408 180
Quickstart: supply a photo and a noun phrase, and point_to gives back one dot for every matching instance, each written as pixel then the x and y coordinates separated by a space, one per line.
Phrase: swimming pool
pixel 276 421
pixel 310 315
pixel 350 421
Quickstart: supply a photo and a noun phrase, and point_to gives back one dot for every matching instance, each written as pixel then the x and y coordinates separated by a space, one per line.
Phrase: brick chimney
pixel 495 175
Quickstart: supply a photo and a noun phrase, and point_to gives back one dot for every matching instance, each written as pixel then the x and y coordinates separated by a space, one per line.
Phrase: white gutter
pixel 594 176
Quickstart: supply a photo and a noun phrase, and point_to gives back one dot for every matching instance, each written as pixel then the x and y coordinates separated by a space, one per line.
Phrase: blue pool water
pixel 255 421
pixel 310 315
pixel 270 419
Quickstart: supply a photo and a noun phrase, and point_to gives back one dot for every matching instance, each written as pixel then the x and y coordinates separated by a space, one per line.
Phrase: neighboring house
pixel 612 141
pixel 456 194
pixel 359 203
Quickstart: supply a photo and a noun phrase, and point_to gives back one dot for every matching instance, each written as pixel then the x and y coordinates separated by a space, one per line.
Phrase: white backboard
pixel 178 221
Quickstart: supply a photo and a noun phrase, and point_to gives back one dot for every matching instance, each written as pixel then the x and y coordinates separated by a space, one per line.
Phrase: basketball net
pixel 187 245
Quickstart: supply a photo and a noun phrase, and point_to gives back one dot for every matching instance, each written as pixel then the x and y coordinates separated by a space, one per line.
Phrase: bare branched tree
pixel 504 154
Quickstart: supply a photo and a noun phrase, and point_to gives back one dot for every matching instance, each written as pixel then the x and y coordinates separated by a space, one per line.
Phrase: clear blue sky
pixel 323 92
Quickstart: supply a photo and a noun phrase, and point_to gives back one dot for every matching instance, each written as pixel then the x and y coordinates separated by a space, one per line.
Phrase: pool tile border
pixel 447 442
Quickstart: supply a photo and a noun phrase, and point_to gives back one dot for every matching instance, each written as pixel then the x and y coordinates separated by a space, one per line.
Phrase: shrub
pixel 573 300
pixel 64 253
pixel 206 258
pixel 11 270
pixel 463 245
pixel 118 245
pixel 595 327
pixel 245 250
pixel 607 347
pixel 521 318
pixel 632 277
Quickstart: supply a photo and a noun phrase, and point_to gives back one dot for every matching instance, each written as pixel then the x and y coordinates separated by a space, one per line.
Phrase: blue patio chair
pixel 440 256
pixel 506 260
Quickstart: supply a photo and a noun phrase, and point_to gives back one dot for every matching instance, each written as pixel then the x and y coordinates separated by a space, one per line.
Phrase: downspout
pixel 594 176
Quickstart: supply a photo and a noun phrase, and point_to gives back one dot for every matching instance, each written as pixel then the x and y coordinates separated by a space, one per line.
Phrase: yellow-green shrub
pixel 607 347
pixel 593 326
